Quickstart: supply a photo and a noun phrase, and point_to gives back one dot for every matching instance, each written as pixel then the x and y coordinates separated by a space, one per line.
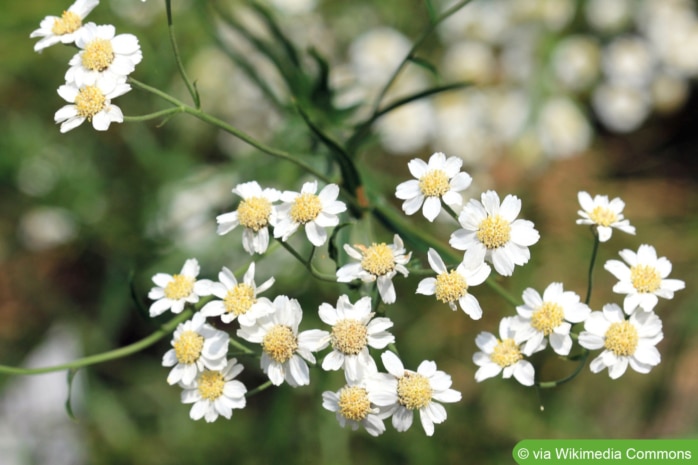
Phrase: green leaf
pixel 68 403
pixel 424 64
pixel 431 11
pixel 332 248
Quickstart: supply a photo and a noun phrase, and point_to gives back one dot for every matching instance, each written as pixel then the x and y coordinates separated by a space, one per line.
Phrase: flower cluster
pixel 97 73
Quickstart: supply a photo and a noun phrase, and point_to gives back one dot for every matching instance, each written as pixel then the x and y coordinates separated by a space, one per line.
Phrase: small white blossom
pixel 604 215
pixel 91 103
pixel 215 392
pixel 173 292
pixel 54 30
pixel 353 407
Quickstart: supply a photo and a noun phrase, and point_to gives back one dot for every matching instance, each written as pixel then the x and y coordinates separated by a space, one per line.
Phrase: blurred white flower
pixel 54 30
pixel 563 129
pixel 576 61
pixel 620 108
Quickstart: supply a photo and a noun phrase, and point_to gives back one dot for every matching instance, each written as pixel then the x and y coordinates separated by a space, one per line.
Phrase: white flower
pixel 174 292
pixel 353 406
pixel 439 179
pixel 379 262
pixel 215 393
pixel 625 342
pixel 603 214
pixel 53 29
pixel 91 103
pixel 400 392
pixel 196 345
pixel 452 286
pixel 305 208
pixel 353 330
pixel 494 228
pixel 502 355
pixel 103 55
pixel 284 349
pixel 644 280
pixel 255 213
pixel 549 316
pixel 238 300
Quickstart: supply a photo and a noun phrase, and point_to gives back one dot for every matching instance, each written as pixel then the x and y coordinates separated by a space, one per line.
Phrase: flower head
pixel 492 227
pixel 400 392
pixel 452 286
pixel 502 355
pixel 353 407
pixel 644 281
pixel 91 103
pixel 379 262
pixel 549 316
pixel 54 30
pixel 173 292
pixel 195 346
pixel 313 211
pixel 354 330
pixel 238 300
pixel 103 55
pixel 255 213
pixel 215 392
pixel 625 342
pixel 284 349
pixel 439 179
pixel 603 215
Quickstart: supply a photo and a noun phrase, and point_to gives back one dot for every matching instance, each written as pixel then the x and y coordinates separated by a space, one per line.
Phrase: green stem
pixel 238 345
pixel 258 389
pixel 594 253
pixel 580 365
pixel 307 263
pixel 178 58
pixel 121 352
pixel 157 114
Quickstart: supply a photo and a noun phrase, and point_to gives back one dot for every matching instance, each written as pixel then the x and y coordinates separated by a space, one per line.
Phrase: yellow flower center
pixel 180 287
pixel 280 343
pixel 377 259
pixel 305 208
pixel 547 317
pixel 603 216
pixel 413 391
pixel 253 213
pixel 645 278
pixel 89 101
pixel 353 403
pixel 67 23
pixel 98 55
pixel 239 299
pixel 506 353
pixel 349 336
pixel 450 286
pixel 211 384
pixel 188 347
pixel 434 183
pixel 622 338
pixel 494 232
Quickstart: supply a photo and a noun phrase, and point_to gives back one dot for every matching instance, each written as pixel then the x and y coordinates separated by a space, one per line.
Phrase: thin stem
pixel 121 352
pixel 594 253
pixel 580 365
pixel 258 389
pixel 156 115
pixel 307 263
pixel 450 211
pixel 180 66
pixel 238 345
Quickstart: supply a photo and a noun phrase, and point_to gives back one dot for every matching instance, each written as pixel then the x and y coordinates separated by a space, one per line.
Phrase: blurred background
pixel 563 96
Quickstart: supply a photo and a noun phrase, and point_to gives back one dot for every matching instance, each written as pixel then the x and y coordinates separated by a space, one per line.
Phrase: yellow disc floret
pixel 413 391
pixel 180 287
pixel 494 232
pixel 280 343
pixel 211 384
pixel 434 183
pixel 349 336
pixel 621 338
pixel 239 299
pixel 98 55
pixel 506 353
pixel 188 347
pixel 645 278
pixel 377 259
pixel 305 208
pixel 450 286
pixel 89 101
pixel 353 403
pixel 547 317
pixel 67 23
pixel 603 216
pixel 253 213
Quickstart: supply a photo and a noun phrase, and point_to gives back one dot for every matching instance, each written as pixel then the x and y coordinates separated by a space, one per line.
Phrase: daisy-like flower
pixel 284 349
pixel 173 292
pixel 625 342
pixel 452 286
pixel 353 330
pixel 238 300
pixel 353 407
pixel 379 262
pixel 195 346
pixel 502 355
pixel 439 179
pixel 400 392
pixel 493 227
pixel 103 55
pixel 603 215
pixel 644 281
pixel 91 103
pixel 549 316
pixel 255 213
pixel 54 30
pixel 215 392
pixel 313 211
